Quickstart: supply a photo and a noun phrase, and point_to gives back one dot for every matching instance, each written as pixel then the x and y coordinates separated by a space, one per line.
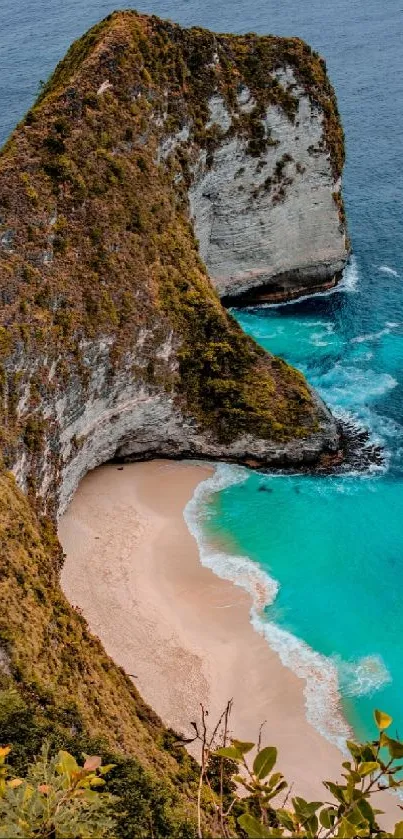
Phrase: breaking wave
pixel 323 677
pixel 386 269
pixel 348 283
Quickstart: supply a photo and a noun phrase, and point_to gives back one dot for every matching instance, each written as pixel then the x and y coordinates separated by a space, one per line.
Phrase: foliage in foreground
pixel 146 802
pixel 59 798
pixel 257 788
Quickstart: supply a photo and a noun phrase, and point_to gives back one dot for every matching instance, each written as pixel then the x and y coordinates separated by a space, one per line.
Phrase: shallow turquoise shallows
pixel 334 544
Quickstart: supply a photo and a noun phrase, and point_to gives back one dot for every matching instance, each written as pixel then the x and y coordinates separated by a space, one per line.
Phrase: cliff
pixel 113 341
pixel 266 204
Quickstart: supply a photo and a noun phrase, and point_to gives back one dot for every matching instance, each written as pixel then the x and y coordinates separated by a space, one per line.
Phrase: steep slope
pixel 113 341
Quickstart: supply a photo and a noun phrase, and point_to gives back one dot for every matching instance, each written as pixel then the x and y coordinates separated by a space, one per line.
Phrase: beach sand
pixel 184 635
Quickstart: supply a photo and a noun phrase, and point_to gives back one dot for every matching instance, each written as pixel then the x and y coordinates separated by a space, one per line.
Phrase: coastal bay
pixel 114 345
pixel 133 569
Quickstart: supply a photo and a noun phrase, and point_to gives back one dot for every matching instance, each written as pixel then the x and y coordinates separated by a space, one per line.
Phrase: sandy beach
pixel 184 635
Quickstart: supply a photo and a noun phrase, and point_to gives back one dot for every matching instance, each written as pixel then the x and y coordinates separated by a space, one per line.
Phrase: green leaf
pixel 356 817
pixel 336 790
pixel 286 820
pixel 347 830
pixel 353 776
pixel 306 808
pixel 97 782
pixel 67 764
pixel 369 752
pixel 242 747
pixel 366 810
pixel 107 768
pixel 275 778
pixel 230 752
pixel 264 762
pixel 382 720
pixel 367 768
pixel 398 830
pixel 395 748
pixel 354 749
pixel 253 828
pixel 327 817
pixel 269 795
pixel 311 826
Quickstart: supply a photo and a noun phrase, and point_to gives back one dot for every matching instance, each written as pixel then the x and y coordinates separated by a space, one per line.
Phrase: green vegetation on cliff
pixel 62 797
pixel 96 238
pixel 96 246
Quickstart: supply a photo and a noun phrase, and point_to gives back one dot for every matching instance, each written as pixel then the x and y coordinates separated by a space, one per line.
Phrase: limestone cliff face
pixel 269 227
pixel 114 342
pixel 117 415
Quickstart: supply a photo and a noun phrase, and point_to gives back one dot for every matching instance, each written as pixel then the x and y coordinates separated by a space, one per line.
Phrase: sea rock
pixel 269 227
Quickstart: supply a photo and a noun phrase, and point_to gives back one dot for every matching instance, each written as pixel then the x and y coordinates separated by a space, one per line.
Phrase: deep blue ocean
pixel 332 547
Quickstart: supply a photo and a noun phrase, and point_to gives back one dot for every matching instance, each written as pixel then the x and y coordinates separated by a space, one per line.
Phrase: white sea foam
pixel 320 674
pixel 317 339
pixel 238 569
pixel 350 277
pixel 386 269
pixel 374 336
pixel 363 677
pixel 348 282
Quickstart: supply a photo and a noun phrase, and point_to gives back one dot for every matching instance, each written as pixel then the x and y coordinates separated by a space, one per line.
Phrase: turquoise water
pixel 334 544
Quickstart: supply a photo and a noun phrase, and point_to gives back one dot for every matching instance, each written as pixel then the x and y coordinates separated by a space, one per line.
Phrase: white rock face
pixel 261 226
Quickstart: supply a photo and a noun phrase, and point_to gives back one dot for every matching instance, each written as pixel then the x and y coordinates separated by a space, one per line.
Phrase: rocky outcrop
pixel 118 416
pixel 113 341
pixel 269 228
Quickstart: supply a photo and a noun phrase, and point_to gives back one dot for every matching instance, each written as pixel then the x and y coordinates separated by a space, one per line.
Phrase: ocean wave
pixel 316 339
pixel 329 327
pixel 351 386
pixel 374 336
pixel 240 570
pixel 386 269
pixel 350 276
pixel 320 674
pixel 321 691
pixel 379 428
pixel 363 677
pixel 325 678
pixel 348 283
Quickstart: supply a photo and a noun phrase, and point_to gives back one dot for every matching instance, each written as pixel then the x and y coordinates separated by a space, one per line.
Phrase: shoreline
pixel 133 568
